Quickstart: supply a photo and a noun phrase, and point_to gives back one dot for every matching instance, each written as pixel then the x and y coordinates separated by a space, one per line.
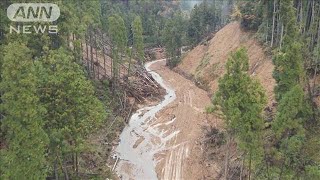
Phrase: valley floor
pixel 183 155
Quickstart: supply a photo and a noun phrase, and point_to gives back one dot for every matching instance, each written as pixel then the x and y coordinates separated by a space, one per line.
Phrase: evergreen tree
pixel 195 28
pixel 25 156
pixel 118 34
pixel 288 62
pixel 291 126
pixel 173 38
pixel 138 39
pixel 288 127
pixel 48 104
pixel 3 21
pixel 73 111
pixel 205 18
pixel 242 100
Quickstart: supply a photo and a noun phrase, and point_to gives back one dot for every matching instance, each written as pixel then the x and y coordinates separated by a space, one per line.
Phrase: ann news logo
pixel 43 13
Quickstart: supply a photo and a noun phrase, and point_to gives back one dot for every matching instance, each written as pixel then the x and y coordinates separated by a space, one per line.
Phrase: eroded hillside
pixel 206 62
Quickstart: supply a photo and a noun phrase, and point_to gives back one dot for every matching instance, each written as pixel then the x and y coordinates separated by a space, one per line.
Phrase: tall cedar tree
pixel 242 100
pixel 288 127
pixel 288 62
pixel 293 114
pixel 173 38
pixel 73 110
pixel 25 156
pixel 57 80
pixel 118 33
pixel 138 39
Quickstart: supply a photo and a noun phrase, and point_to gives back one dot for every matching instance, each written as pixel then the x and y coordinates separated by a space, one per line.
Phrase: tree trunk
pixel 130 61
pixel 91 55
pixel 268 173
pixel 318 29
pixel 242 166
pixel 250 162
pixel 73 38
pixel 103 54
pixel 311 95
pixel 87 51
pixel 273 21
pixel 97 60
pixel 311 25
pixel 56 175
pixel 81 52
pixel 281 37
pixel 285 152
pixel 68 41
pixel 77 165
pixel 308 17
pixel 64 170
pixel 267 32
pixel 301 16
pixel 318 38
pixel 278 24
pixel 312 14
pixel 314 78
pixel 226 166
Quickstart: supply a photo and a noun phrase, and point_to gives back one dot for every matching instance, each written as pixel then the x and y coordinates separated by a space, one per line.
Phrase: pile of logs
pixel 136 83
pixel 141 85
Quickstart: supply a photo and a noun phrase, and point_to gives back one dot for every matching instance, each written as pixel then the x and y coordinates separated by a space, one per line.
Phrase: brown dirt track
pixel 184 160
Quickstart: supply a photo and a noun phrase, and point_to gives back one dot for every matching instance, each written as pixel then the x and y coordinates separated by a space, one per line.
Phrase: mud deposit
pixel 140 141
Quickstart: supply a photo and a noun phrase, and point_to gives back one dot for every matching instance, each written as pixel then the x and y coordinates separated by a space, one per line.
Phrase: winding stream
pixel 137 146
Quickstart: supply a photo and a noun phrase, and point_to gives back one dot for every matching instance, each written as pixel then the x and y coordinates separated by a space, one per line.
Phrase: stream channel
pixel 137 148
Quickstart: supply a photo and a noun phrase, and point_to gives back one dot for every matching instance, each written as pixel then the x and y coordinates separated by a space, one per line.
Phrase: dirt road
pixel 171 139
pixel 182 159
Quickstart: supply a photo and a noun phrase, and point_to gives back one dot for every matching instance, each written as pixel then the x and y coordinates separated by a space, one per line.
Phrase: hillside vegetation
pixel 271 52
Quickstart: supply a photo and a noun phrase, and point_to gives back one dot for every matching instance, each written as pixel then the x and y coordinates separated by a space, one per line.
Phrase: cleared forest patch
pixel 216 52
pixel 205 64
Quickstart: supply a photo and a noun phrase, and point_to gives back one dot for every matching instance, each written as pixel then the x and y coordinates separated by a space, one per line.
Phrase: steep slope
pixel 206 63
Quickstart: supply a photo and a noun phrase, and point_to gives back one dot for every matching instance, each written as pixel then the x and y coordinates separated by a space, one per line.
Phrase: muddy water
pixel 137 141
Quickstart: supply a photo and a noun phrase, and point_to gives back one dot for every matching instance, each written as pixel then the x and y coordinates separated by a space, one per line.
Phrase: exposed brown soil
pixel 207 63
pixel 186 155
pixel 191 61
pixel 183 158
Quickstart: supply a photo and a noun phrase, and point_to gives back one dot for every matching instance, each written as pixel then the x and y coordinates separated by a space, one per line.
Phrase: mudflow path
pixel 161 142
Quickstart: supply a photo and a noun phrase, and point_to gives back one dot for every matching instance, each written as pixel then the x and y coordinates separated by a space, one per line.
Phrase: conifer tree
pixel 288 127
pixel 138 38
pixel 288 62
pixel 118 34
pixel 195 28
pixel 25 156
pixel 173 38
pixel 48 104
pixel 73 111
pixel 241 101
pixel 293 150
